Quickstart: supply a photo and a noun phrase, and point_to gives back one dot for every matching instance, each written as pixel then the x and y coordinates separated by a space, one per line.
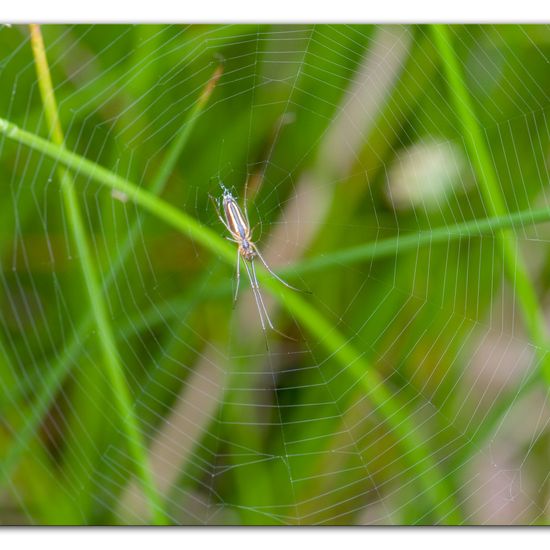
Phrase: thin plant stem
pixel 478 151
pixel 111 358
pixel 408 242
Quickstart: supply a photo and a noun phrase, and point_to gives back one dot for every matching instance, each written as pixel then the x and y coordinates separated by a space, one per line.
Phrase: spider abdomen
pixel 236 222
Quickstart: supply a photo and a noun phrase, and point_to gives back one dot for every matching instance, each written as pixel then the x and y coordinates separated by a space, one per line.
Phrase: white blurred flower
pixel 424 174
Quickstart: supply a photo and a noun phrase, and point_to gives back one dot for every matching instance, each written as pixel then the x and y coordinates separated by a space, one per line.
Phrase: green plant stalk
pixel 392 246
pixel 477 148
pixel 124 245
pixel 156 206
pixel 419 458
pixel 105 334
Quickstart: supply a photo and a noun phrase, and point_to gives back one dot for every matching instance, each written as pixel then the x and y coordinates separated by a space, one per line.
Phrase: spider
pixel 239 228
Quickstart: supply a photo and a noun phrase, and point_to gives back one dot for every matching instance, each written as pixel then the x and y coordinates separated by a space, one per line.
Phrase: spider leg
pixel 260 299
pixel 252 231
pixel 274 274
pixel 245 208
pixel 238 277
pixel 253 285
pixel 218 213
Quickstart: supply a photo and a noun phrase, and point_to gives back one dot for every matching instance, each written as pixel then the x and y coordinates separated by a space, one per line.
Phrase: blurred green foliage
pixel 379 406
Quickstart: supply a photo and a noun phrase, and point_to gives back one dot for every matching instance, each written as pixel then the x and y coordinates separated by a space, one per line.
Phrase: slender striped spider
pixel 238 227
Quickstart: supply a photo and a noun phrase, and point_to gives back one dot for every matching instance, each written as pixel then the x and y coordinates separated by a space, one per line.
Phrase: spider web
pixel 345 135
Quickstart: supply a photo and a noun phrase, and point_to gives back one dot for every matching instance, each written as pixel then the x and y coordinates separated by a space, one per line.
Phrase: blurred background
pixel 410 386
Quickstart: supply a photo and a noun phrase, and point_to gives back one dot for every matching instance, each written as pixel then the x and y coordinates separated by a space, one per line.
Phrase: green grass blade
pixel 107 344
pixel 154 205
pixel 401 244
pixel 494 201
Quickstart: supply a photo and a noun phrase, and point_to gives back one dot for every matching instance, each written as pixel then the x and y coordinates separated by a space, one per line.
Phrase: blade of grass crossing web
pixel 476 145
pixel 204 235
pixel 392 246
pixel 158 207
pixel 106 338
